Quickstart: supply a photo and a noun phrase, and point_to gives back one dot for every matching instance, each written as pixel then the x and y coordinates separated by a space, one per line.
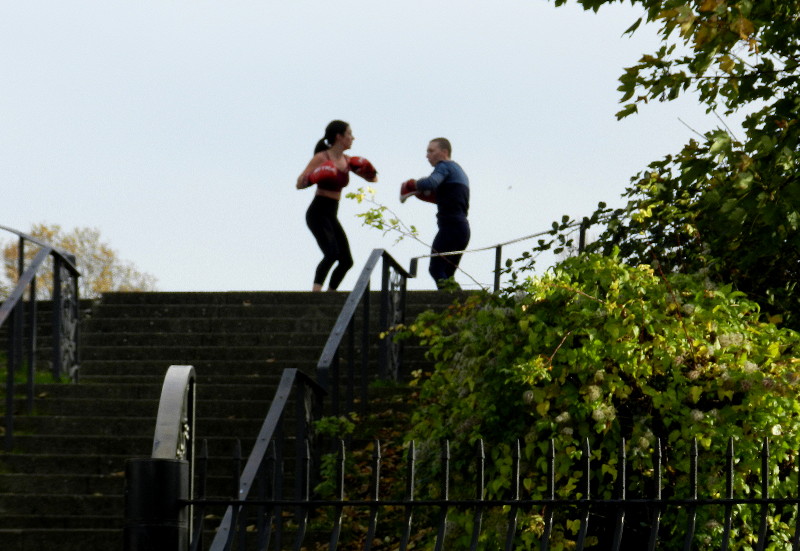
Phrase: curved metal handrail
pixel 174 433
pixel 393 289
pixel 65 326
pixel 67 257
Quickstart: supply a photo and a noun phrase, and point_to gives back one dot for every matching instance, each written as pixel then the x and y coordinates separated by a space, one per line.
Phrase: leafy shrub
pixel 599 351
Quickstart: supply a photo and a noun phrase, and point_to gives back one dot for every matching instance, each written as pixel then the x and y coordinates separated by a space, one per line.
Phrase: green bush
pixel 596 350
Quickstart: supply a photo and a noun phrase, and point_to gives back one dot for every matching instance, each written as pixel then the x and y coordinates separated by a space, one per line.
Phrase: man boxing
pixel 448 187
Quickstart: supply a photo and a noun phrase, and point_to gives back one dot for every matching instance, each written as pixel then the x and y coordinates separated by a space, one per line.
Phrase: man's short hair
pixel 444 143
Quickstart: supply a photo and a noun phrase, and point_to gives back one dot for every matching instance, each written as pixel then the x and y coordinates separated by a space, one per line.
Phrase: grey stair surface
pixel 62 485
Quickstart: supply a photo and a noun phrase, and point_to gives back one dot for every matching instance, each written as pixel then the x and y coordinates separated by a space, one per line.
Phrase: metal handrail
pixel 308 403
pixel 174 434
pixel 393 290
pixel 65 328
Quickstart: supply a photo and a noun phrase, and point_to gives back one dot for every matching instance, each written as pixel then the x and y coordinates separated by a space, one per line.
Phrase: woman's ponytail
pixel 322 145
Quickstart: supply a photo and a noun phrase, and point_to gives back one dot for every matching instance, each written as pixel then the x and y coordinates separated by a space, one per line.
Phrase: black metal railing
pixel 264 471
pixel 22 343
pixel 582 227
pixel 645 521
pixel 392 313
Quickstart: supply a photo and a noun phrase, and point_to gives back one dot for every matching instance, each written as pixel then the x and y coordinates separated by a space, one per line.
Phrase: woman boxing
pixel 329 169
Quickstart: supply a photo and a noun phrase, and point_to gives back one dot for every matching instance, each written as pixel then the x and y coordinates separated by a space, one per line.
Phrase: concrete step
pixel 67 469
pixel 48 483
pixel 226 388
pixel 204 340
pixel 232 325
pixel 103 313
pixel 220 462
pixel 146 409
pixel 240 298
pixel 265 366
pixel 83 444
pixel 219 445
pixel 56 504
pixel 18 523
pixel 91 464
pixel 131 426
pixel 89 539
pixel 188 355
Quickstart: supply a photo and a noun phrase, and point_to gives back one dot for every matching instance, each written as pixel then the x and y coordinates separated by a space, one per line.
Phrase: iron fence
pixel 440 516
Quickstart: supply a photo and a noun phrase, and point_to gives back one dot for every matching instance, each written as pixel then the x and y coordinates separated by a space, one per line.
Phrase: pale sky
pixel 178 128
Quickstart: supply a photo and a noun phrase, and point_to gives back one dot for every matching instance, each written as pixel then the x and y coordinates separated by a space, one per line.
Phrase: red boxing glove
pixel 323 173
pixel 407 189
pixel 427 196
pixel 363 168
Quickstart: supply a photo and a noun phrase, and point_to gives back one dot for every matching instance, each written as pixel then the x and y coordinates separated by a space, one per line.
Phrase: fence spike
pixel 301 512
pixel 691 509
pixel 337 523
pixel 515 495
pixel 726 531
pixel 376 480
pixel 655 521
pixel 445 489
pixel 479 494
pixel 551 495
pixel 762 529
pixel 411 457
pixel 587 474
pixel 621 493
pixel 796 537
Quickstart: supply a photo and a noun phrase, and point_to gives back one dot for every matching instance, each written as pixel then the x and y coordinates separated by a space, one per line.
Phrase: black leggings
pixel 321 220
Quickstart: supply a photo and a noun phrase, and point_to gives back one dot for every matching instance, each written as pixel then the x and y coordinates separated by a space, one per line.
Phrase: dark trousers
pixel 453 235
pixel 323 223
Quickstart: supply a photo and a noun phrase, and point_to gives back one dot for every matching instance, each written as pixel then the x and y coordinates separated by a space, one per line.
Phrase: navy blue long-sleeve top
pixel 451 185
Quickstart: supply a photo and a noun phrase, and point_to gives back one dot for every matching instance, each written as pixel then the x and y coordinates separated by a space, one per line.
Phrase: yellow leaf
pixel 726 64
pixel 743 27
pixel 709 5
pixel 543 407
pixel 726 394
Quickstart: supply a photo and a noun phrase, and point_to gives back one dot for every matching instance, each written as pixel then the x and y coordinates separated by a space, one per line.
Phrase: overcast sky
pixel 178 128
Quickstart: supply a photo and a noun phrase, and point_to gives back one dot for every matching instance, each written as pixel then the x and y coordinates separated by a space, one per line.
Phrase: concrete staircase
pixel 62 485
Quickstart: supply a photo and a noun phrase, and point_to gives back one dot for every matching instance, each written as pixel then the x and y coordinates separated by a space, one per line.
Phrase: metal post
pixel 498 258
pixel 21 258
pixel 31 348
pixel 76 317
pixel 57 325
pixel 582 240
pixel 383 321
pixel 9 424
pixel 365 335
pixel 155 517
